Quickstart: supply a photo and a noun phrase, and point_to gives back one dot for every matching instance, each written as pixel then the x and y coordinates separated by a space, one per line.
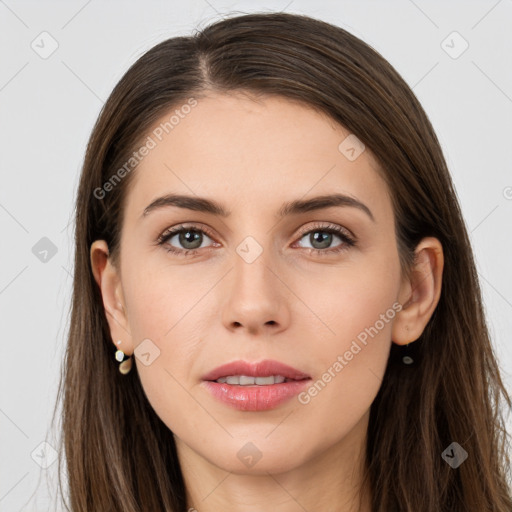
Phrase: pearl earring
pixel 124 360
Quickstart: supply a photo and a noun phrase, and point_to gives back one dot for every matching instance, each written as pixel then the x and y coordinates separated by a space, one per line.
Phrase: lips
pixel 236 389
pixel 264 368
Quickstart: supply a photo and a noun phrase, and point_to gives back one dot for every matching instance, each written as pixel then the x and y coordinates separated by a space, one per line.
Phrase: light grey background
pixel 47 110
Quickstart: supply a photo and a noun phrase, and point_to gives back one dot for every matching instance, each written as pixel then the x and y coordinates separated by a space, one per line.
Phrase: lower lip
pixel 255 398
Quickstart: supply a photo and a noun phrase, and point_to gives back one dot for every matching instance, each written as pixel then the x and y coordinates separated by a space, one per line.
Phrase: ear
pixel 419 294
pixel 108 279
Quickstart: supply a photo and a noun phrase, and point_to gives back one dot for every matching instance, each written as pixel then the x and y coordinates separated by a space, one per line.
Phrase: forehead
pixel 244 149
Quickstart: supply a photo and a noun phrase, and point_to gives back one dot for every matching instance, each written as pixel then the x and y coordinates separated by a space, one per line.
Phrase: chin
pixel 257 458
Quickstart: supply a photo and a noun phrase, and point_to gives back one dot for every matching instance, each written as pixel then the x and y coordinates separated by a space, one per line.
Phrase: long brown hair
pixel 120 456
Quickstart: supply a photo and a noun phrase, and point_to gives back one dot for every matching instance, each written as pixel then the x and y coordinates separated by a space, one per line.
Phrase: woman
pixel 275 303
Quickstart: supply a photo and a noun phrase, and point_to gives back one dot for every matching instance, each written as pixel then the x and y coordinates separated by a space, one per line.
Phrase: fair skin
pixel 290 304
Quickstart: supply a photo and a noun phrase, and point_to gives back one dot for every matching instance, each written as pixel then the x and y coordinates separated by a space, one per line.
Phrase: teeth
pixel 245 380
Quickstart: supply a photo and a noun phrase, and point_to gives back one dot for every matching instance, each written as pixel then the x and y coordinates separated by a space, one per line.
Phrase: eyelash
pixel 348 241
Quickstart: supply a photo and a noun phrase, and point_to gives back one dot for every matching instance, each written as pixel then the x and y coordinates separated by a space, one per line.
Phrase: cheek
pixel 352 303
pixel 351 365
pixel 168 306
pixel 163 307
pixel 160 300
pixel 353 361
pixel 357 308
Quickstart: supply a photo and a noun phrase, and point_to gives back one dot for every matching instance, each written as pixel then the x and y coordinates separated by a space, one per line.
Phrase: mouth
pixel 256 386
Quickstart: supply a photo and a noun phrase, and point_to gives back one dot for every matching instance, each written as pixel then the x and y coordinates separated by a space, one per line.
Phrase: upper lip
pixel 263 368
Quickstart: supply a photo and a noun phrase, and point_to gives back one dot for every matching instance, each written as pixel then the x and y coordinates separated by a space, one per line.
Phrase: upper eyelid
pixel 185 225
pixel 318 225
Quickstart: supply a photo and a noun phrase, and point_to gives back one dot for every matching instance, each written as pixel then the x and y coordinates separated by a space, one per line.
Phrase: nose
pixel 256 298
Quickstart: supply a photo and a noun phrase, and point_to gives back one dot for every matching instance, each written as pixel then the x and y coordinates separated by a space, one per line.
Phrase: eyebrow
pixel 201 204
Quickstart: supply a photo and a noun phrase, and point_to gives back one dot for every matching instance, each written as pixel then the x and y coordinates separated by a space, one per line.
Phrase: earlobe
pixel 420 293
pixel 109 282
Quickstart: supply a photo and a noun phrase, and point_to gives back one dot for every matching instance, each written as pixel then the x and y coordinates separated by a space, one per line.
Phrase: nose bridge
pixel 255 297
pixel 251 274
pixel 254 253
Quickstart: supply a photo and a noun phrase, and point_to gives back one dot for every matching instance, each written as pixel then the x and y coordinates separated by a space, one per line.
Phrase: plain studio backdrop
pixel 60 61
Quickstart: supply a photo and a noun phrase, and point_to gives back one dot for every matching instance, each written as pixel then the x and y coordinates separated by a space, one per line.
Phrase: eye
pixel 321 238
pixel 190 238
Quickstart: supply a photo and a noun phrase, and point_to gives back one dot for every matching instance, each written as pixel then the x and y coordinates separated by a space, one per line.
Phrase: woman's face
pixel 269 280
